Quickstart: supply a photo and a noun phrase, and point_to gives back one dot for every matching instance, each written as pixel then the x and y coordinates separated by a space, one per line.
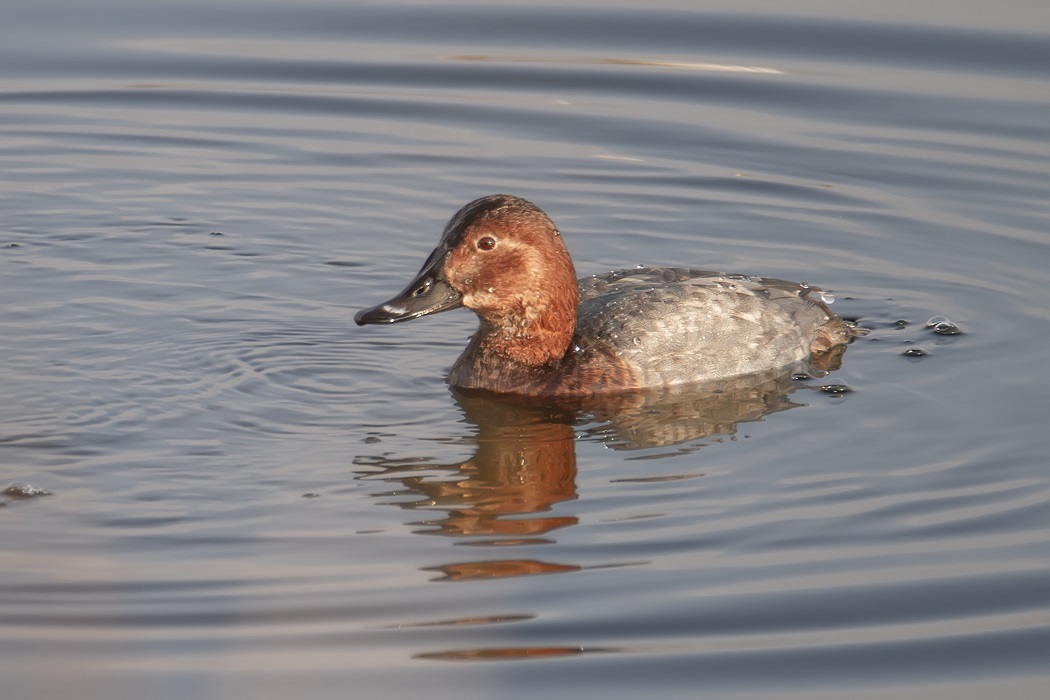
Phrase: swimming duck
pixel 545 334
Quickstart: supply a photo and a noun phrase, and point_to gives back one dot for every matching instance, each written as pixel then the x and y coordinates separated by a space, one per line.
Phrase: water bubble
pixel 942 325
pixel 915 352
pixel 637 340
pixel 835 387
pixel 827 297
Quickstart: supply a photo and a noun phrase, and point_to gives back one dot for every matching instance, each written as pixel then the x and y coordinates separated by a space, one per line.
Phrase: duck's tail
pixel 830 344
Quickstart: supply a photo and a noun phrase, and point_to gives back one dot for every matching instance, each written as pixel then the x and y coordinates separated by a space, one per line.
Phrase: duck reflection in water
pixel 525 457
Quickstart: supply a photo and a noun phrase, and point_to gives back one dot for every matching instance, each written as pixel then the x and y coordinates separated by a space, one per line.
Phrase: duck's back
pixel 677 325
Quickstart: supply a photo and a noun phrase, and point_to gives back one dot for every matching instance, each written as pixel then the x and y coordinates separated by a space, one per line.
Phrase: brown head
pixel 502 257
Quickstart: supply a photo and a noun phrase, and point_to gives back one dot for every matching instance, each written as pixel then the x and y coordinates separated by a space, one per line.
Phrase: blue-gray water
pixel 252 497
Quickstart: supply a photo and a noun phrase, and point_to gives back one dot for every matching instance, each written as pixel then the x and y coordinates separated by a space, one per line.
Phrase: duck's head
pixel 502 257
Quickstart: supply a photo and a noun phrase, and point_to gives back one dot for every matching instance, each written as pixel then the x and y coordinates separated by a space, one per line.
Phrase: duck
pixel 545 333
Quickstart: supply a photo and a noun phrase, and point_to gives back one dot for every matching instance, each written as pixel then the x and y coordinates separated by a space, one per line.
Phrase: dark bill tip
pixel 377 314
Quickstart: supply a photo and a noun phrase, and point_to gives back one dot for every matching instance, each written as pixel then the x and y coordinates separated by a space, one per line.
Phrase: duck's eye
pixel 486 243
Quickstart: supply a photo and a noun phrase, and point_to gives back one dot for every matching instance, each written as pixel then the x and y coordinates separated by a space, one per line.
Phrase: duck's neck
pixel 537 333
pixel 520 347
pixel 493 362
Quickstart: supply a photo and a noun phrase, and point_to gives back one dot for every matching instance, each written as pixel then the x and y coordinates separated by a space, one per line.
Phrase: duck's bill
pixel 428 293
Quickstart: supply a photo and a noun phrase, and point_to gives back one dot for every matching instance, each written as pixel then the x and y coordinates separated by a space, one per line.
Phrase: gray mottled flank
pixel 760 323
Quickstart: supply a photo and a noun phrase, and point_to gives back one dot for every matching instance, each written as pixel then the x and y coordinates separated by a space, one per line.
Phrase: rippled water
pixel 220 488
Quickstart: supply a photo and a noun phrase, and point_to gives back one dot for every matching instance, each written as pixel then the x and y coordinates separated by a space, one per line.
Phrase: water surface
pixel 222 488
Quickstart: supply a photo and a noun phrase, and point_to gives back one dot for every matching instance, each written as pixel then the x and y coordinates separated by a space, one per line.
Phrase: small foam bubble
pixel 942 325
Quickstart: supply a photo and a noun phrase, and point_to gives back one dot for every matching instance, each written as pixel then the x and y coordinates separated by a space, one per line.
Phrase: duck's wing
pixel 688 325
